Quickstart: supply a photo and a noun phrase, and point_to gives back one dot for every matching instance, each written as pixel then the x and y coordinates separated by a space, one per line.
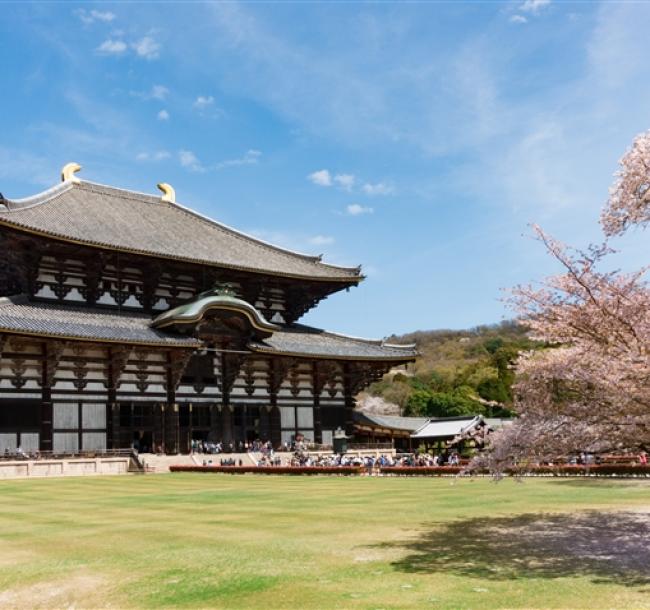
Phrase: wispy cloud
pixel 345 181
pixel 163 115
pixel 203 101
pixel 205 106
pixel 190 161
pixel 321 240
pixel 355 209
pixel 251 157
pixel 112 47
pixel 147 48
pixel 27 167
pixel 295 241
pixel 534 6
pixel 380 188
pixel 518 19
pixel 321 177
pixel 159 92
pixel 159 155
pixel 89 17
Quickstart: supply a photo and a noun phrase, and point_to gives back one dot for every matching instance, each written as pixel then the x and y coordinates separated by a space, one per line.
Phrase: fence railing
pixel 50 455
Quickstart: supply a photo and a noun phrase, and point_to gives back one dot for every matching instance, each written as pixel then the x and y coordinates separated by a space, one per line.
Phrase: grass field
pixel 218 541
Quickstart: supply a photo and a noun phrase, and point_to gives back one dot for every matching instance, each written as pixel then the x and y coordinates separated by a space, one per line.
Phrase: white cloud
pixel 88 17
pixel 534 6
pixel 251 157
pixel 159 92
pixel 321 240
pixel 345 181
pixel 202 102
pixel 159 155
pixel 163 115
pixel 147 48
pixel 354 209
pixel 112 47
pixel 190 161
pixel 380 188
pixel 321 178
pixel 518 19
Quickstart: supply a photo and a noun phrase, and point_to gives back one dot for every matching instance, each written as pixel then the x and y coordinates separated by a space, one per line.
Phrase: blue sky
pixel 416 139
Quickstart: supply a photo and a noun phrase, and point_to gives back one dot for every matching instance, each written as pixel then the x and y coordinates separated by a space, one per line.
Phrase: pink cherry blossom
pixel 588 388
pixel 629 197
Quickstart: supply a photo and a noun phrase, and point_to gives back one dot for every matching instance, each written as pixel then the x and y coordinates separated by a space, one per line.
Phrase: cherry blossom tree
pixel 588 389
pixel 629 198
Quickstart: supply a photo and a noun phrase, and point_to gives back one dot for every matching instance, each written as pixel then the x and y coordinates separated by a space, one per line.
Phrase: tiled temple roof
pixel 308 341
pixel 107 217
pixel 19 316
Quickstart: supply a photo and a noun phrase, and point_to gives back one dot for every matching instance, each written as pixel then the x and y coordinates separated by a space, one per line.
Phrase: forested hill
pixel 457 373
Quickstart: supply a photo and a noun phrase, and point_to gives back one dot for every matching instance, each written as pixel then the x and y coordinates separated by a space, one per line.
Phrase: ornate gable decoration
pixel 217 317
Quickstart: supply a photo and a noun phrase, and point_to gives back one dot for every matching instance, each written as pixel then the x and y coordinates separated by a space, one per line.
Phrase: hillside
pixel 457 373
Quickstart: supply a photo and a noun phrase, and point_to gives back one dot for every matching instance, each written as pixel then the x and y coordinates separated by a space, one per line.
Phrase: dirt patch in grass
pixel 72 592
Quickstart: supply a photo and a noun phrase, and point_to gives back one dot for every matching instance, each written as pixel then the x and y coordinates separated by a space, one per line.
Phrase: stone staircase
pixel 161 463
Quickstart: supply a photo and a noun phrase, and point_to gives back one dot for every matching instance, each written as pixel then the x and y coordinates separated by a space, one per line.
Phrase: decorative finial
pixel 169 194
pixel 224 289
pixel 68 172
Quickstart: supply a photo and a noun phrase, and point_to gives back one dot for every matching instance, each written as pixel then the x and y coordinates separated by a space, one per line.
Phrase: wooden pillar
pixel 158 436
pixel 228 374
pixel 278 369
pixel 171 411
pixel 117 432
pixel 226 425
pixel 216 434
pixel 348 384
pixel 172 441
pixel 112 408
pixel 317 387
pixel 46 412
pixel 265 424
pixel 274 423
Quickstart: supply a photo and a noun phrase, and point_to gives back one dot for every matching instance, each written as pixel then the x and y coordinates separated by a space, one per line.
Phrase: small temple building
pixel 127 318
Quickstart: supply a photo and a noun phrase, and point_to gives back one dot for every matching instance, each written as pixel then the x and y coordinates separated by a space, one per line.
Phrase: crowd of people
pixel 299 456
pixel 431 460
pixel 20 454
pixel 212 448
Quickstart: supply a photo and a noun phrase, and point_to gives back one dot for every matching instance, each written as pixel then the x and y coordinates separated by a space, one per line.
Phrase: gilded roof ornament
pixel 68 172
pixel 169 194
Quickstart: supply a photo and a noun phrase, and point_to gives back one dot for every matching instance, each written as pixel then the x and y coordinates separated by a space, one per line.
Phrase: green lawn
pixel 219 541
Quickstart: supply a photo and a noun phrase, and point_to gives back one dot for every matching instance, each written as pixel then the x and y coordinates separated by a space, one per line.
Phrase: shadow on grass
pixel 601 483
pixel 605 547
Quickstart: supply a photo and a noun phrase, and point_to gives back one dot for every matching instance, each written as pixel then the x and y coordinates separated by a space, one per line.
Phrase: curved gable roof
pixel 107 217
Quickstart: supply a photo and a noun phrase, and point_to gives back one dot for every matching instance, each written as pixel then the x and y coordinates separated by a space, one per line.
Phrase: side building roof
pixel 445 427
pixel 107 217
pixel 389 422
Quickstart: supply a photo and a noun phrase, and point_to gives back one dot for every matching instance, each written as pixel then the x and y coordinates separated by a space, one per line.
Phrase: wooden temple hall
pixel 128 318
